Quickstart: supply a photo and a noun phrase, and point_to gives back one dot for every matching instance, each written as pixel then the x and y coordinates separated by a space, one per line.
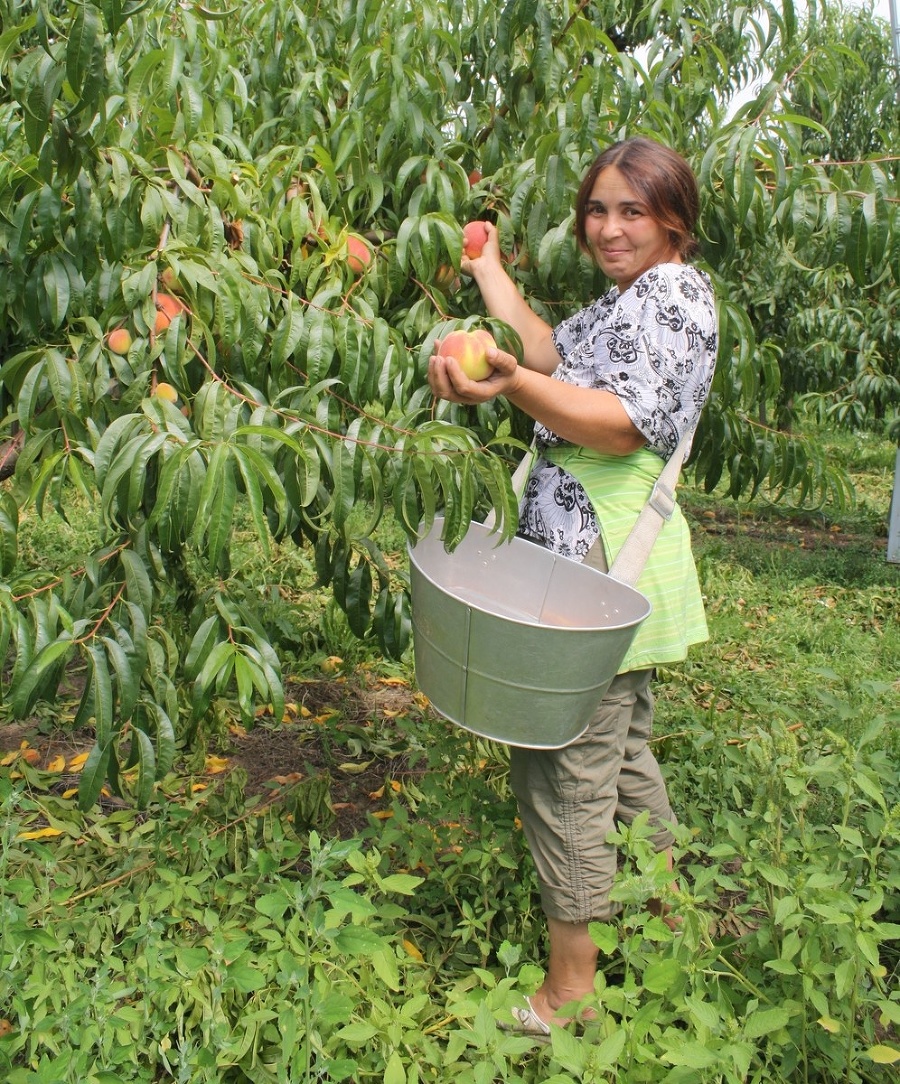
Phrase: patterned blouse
pixel 654 346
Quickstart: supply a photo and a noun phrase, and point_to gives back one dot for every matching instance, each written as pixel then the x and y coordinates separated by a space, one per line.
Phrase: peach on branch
pixel 167 308
pixel 470 348
pixel 446 278
pixel 169 281
pixel 166 391
pixel 119 340
pixel 359 255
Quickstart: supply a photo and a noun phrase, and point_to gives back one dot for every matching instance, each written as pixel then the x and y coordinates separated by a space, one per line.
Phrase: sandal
pixel 527 1022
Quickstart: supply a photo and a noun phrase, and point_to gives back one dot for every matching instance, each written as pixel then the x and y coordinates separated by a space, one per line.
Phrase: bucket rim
pixel 532 623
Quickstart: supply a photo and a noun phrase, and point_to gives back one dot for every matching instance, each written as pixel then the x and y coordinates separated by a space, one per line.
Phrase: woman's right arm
pixel 503 300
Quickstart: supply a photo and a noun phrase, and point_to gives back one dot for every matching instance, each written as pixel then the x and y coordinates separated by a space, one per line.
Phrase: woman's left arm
pixel 589 417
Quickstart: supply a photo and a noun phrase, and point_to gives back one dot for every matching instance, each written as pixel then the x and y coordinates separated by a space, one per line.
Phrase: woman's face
pixel 624 238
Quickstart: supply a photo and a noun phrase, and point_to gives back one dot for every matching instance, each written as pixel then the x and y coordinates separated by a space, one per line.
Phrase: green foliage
pixel 224 940
pixel 227 156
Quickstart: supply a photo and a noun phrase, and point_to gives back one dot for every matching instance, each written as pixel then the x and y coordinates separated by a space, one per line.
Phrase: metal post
pixel 893 550
pixel 895 30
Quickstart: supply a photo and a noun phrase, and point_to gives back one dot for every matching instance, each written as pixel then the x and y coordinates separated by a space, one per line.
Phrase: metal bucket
pixel 513 642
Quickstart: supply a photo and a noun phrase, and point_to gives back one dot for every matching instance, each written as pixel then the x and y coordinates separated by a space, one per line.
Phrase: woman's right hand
pixel 490 255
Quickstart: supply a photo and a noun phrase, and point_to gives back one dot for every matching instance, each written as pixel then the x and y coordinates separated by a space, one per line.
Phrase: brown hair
pixel 662 180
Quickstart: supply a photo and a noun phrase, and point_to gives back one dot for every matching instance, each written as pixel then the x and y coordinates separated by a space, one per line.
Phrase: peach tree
pixel 228 234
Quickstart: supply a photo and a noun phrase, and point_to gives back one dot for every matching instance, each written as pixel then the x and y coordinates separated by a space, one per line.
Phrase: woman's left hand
pixel 448 381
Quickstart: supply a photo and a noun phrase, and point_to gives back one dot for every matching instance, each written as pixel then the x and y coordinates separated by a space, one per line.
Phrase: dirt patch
pixel 333 758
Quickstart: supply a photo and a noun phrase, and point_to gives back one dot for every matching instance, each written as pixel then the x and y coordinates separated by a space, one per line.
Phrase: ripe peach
pixel 474 177
pixel 119 340
pixel 167 308
pixel 470 350
pixel 474 237
pixel 166 391
pixel 359 255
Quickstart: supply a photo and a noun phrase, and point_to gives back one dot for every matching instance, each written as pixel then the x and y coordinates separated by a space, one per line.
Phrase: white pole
pixel 895 30
pixel 893 550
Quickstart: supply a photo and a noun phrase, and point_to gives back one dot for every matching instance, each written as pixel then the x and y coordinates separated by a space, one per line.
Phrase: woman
pixel 611 389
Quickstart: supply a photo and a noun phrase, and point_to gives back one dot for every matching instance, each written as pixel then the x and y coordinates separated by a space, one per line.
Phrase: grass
pixel 348 896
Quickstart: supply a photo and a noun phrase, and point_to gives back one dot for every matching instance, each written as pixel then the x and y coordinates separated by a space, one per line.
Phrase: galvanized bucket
pixel 513 642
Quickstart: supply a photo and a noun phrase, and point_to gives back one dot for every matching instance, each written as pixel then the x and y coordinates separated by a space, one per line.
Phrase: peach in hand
pixel 470 349
pixel 474 238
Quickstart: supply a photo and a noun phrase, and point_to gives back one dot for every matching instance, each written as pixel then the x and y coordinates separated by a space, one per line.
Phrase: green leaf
pixel 765 1022
pixel 202 643
pixel 394 1072
pixel 83 41
pixel 883 1055
pixel 660 976
pixel 40 677
pixel 146 766
pixel 403 883
pixel 216 514
pixel 93 775
pixel 9 533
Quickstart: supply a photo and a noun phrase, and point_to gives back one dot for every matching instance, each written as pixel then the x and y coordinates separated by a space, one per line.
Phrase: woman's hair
pixel 662 180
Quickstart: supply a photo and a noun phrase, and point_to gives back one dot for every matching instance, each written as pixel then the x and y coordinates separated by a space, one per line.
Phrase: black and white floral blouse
pixel 654 346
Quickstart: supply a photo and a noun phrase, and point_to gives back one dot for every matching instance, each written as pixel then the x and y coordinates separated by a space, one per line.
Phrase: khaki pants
pixel 569 800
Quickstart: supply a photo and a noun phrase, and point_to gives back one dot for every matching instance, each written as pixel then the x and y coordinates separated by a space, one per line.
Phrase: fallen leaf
pixel 40 833
pixel 213 765
pixel 383 814
pixel 413 951
pixel 57 764
pixel 393 681
pixel 78 762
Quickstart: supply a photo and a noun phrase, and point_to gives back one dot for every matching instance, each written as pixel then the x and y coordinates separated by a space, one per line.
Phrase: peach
pixel 474 238
pixel 446 278
pixel 359 255
pixel 167 308
pixel 166 391
pixel 119 340
pixel 470 350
